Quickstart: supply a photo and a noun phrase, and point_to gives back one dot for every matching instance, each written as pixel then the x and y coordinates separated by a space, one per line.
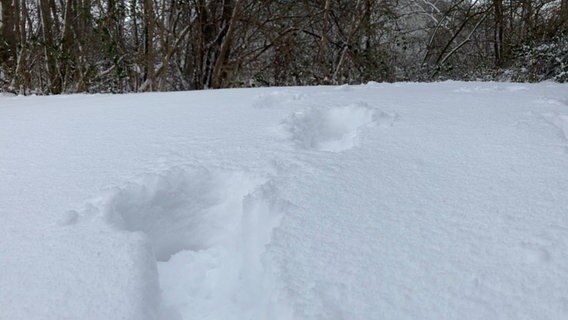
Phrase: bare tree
pixel 57 46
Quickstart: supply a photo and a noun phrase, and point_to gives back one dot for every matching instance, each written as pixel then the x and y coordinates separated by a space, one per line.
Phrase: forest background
pixel 70 46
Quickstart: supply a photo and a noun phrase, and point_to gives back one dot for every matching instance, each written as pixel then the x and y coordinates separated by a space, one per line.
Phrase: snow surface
pixel 380 201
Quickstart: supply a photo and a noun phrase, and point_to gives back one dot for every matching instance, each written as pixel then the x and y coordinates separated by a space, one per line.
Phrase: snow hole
pixel 208 231
pixel 332 129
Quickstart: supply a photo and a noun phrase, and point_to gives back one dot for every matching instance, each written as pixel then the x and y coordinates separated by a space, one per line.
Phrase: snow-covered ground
pixel 380 201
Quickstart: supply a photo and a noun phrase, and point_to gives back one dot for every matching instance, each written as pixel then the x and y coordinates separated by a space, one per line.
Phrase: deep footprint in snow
pixel 332 129
pixel 180 210
pixel 208 231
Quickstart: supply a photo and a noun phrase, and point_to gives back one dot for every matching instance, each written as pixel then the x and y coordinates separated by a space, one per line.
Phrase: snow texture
pixel 332 129
pixel 379 201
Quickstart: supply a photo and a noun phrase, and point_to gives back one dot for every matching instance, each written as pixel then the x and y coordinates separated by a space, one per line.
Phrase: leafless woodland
pixel 68 46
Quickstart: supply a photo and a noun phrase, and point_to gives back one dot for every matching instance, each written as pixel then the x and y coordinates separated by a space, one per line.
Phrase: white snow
pixel 331 129
pixel 381 201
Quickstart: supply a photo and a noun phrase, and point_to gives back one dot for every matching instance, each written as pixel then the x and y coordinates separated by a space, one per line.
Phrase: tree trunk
pixel 564 15
pixel 8 33
pixel 219 75
pixel 54 81
pixel 149 43
pixel 355 24
pixel 528 23
pixel 66 40
pixel 498 32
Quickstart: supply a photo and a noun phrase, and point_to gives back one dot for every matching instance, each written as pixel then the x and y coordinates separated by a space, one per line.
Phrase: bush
pixel 546 60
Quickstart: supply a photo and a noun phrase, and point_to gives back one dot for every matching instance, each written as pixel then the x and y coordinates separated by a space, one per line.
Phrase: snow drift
pixel 382 201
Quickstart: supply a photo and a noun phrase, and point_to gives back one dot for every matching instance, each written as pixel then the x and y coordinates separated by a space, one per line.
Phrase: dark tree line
pixel 57 46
